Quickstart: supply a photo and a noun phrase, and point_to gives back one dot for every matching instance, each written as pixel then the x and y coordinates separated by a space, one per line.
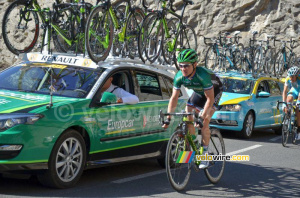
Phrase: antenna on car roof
pixel 51 89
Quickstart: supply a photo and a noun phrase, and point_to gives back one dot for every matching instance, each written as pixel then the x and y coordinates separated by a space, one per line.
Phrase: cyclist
pixel 292 82
pixel 207 93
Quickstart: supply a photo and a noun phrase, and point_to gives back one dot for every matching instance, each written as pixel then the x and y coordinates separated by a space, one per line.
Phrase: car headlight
pixel 235 107
pixel 10 120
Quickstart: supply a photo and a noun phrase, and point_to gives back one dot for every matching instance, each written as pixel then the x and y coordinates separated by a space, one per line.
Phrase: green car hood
pixel 22 102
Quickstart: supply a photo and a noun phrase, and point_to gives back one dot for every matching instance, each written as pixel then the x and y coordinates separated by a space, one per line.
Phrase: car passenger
pixel 122 95
pixel 292 82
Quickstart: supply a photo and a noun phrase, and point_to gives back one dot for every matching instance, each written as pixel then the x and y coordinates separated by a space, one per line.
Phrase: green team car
pixel 55 122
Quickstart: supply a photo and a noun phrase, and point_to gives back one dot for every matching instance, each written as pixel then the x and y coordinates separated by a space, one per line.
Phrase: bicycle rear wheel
pixel 187 39
pixel 99 34
pixel 178 173
pixel 285 130
pixel 133 28
pixel 279 64
pixel 269 61
pixel 258 62
pixel 215 169
pixel 65 20
pixel 152 37
pixel 211 59
pixel 20 27
pixel 167 42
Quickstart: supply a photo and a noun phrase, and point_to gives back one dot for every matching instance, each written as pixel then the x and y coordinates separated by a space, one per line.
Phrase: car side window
pixel 121 80
pixel 274 88
pixel 263 86
pixel 169 82
pixel 164 88
pixel 149 86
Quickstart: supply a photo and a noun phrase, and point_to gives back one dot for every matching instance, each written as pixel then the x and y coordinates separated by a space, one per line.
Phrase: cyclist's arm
pixel 284 93
pixel 210 97
pixel 173 101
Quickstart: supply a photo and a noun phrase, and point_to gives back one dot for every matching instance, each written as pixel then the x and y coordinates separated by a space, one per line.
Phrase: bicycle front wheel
pixel 178 173
pixel 286 127
pixel 216 146
pixel 99 34
pixel 20 27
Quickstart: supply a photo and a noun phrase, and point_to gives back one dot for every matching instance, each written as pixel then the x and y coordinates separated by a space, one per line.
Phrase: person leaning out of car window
pixel 122 95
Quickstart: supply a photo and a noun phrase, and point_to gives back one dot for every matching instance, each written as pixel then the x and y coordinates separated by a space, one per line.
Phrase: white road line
pixel 275 138
pixel 245 149
pixel 120 181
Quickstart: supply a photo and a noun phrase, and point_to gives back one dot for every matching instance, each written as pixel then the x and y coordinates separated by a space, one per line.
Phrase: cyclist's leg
pixel 297 116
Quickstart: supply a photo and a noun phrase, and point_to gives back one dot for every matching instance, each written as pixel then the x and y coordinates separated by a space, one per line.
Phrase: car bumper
pixel 23 167
pixel 227 120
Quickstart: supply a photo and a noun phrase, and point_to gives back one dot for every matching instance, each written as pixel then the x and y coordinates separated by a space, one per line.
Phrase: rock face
pixel 209 17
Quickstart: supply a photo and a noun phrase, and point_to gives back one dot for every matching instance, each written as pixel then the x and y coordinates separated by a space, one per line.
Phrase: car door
pixel 263 106
pixel 276 95
pixel 154 94
pixel 119 125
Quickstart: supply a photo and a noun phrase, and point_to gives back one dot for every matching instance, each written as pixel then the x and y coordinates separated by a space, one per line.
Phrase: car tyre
pixel 66 162
pixel 162 162
pixel 278 131
pixel 248 126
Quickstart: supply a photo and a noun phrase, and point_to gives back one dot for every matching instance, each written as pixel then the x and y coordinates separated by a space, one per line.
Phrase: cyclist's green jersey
pixel 203 79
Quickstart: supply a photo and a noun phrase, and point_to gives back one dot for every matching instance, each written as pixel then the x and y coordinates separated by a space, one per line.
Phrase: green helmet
pixel 187 55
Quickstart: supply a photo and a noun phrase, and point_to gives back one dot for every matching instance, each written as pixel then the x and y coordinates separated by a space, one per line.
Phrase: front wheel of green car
pixel 66 162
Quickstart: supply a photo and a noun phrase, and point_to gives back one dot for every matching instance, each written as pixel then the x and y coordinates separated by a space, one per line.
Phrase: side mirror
pixel 263 94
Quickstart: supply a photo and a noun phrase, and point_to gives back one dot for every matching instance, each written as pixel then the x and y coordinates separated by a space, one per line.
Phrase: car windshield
pixel 63 80
pixel 239 86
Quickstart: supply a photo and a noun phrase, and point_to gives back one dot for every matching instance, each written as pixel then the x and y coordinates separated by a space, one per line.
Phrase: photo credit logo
pixel 188 156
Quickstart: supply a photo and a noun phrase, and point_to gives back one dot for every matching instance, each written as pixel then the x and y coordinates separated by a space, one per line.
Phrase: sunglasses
pixel 184 65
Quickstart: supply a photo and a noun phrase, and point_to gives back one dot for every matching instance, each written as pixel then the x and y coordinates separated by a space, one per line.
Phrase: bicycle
pixel 179 173
pixel 289 123
pixel 226 57
pixel 157 36
pixel 65 24
pixel 285 57
pixel 248 58
pixel 102 23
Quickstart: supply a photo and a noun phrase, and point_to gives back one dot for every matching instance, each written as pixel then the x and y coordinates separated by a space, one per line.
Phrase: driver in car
pixel 122 95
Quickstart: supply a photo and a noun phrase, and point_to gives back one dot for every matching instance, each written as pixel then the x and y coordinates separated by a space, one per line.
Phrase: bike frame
pixel 46 19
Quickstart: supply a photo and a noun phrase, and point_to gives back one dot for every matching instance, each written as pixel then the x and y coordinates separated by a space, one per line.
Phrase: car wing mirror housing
pixel 263 94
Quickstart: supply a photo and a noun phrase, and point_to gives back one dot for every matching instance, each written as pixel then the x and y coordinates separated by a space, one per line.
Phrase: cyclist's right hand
pixel 165 126
pixel 285 110
pixel 166 123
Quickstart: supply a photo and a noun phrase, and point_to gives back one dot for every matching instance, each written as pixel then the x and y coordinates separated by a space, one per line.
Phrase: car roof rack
pixel 133 62
pixel 58 58
pixel 85 61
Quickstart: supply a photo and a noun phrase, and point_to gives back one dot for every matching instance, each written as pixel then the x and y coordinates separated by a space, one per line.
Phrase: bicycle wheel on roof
pixel 99 34
pixel 20 27
pixel 151 37
pixel 187 39
pixel 133 28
